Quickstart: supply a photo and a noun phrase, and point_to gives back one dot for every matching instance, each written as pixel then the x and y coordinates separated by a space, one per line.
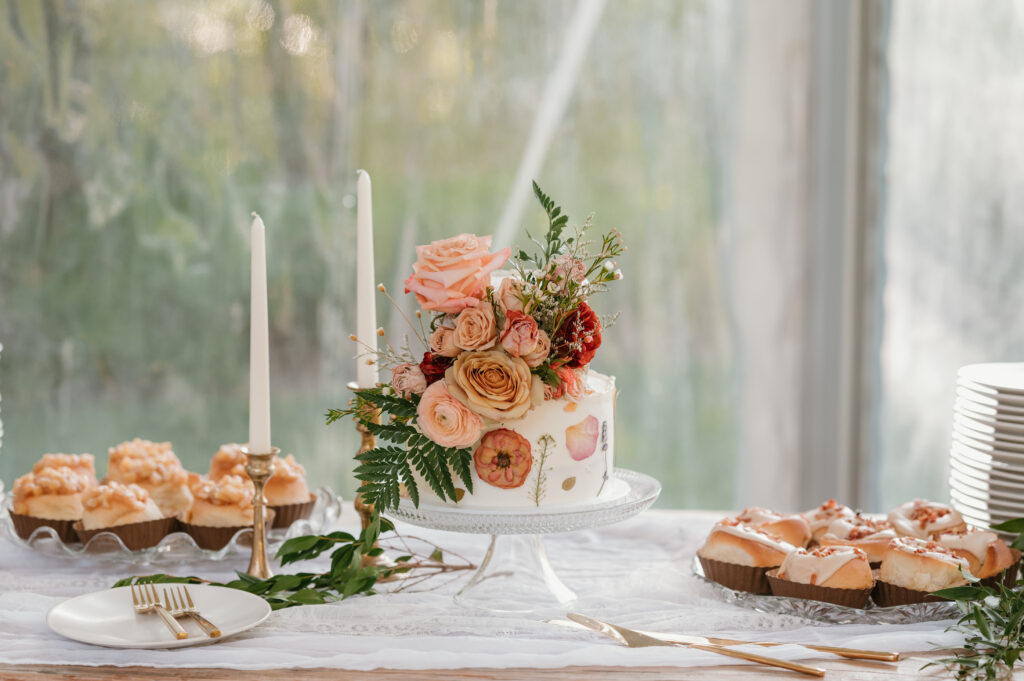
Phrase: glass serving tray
pixel 177 547
pixel 827 612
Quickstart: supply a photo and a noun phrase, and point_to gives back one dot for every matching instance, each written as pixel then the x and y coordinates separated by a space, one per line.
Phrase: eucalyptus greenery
pixel 992 622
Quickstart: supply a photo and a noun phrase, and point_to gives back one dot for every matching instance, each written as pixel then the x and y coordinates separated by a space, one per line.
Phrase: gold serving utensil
pixel 636 639
pixel 182 606
pixel 147 602
pixel 849 653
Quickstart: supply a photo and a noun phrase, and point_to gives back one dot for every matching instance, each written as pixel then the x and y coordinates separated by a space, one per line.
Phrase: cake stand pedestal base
pixel 516 577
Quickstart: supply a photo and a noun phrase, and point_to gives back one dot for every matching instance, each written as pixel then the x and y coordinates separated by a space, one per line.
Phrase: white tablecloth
pixel 636 573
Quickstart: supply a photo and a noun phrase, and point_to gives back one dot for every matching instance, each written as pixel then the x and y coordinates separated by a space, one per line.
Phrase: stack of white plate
pixel 986 462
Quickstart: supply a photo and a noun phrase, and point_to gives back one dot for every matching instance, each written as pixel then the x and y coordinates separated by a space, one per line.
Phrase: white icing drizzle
pixel 821 517
pixel 842 528
pixel 748 532
pixel 817 566
pixel 975 542
pixel 906 518
pixel 758 516
pixel 928 549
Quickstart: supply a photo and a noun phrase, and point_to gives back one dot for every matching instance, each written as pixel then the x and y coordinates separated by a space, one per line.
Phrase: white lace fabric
pixel 636 573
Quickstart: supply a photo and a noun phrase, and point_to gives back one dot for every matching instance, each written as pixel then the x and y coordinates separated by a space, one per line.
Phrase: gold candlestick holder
pixel 365 510
pixel 259 466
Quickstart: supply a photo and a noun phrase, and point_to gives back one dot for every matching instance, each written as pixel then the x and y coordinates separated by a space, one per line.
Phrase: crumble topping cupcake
pixel 912 568
pixel 83 464
pixel 48 497
pixel 922 518
pixel 286 490
pixel 792 528
pixel 221 508
pixel 153 466
pixel 737 555
pixel 833 574
pixel 127 511
pixel 821 517
pixel 987 554
pixel 229 460
pixel 869 535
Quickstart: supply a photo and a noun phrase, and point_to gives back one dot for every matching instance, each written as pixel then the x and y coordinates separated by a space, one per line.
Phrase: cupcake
pixel 834 574
pixel 922 519
pixel 220 509
pixel 50 497
pixel 125 510
pixel 792 528
pixel 737 555
pixel 286 490
pixel 154 467
pixel 229 460
pixel 987 554
pixel 821 517
pixel 83 464
pixel 869 535
pixel 913 568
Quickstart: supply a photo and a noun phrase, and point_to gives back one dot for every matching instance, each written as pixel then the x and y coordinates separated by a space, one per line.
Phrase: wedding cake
pixel 503 410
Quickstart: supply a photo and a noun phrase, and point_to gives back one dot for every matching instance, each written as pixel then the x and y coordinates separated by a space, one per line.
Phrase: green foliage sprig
pixel 992 622
pixel 383 469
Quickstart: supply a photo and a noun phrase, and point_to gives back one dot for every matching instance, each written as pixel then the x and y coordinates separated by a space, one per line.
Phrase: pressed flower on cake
pixel 503 458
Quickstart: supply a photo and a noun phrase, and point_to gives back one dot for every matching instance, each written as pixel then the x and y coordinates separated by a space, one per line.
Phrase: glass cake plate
pixel 515 575
pixel 827 612
pixel 177 547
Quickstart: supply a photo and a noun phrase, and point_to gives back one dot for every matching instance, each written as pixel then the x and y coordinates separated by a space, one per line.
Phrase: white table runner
pixel 636 573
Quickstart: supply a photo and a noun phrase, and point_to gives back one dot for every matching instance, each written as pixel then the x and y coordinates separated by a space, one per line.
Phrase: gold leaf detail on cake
pixel 569 483
pixel 459 493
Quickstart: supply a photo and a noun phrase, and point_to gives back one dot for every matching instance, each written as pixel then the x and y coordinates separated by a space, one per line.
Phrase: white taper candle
pixel 366 299
pixel 259 343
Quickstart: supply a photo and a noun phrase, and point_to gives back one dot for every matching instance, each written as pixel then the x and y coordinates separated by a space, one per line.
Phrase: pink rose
pixel 540 351
pixel 442 342
pixel 407 380
pixel 510 295
pixel 452 274
pixel 521 335
pixel 445 420
pixel 474 328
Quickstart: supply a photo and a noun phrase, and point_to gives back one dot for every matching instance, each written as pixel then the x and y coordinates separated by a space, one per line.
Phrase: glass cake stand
pixel 515 575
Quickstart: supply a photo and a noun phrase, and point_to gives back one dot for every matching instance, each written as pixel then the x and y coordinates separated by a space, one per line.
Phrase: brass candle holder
pixel 259 466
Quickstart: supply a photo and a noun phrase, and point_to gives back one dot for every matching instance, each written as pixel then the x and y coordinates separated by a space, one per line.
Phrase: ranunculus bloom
pixel 445 420
pixel 540 351
pixel 521 335
pixel 494 385
pixel 407 380
pixel 578 338
pixel 474 328
pixel 503 458
pixel 433 367
pixel 452 274
pixel 510 295
pixel 442 342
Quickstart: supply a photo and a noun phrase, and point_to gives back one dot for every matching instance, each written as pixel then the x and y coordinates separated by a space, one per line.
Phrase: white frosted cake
pixel 560 453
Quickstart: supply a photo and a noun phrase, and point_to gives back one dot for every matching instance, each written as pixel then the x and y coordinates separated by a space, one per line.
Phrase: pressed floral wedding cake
pixel 503 409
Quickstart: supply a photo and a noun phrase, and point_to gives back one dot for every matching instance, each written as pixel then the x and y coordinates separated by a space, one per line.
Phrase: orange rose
pixel 474 328
pixel 445 420
pixel 494 385
pixel 442 342
pixel 452 274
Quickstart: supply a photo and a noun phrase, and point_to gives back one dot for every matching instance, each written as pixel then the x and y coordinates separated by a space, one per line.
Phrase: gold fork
pixel 182 606
pixel 146 602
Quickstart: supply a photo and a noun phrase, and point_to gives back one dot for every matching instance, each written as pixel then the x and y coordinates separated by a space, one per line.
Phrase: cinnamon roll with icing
pixel 869 535
pixel 922 519
pixel 821 517
pixel 986 554
pixel 791 528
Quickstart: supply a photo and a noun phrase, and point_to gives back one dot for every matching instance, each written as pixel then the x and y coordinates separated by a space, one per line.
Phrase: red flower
pixel 433 366
pixel 503 458
pixel 578 338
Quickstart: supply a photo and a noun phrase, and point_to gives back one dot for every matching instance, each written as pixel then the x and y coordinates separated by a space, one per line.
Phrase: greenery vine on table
pixel 347 576
pixel 992 622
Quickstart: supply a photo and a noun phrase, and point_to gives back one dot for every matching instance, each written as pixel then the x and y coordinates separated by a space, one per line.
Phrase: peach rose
pixel 407 380
pixel 510 294
pixel 494 385
pixel 540 351
pixel 572 386
pixel 442 342
pixel 445 420
pixel 521 335
pixel 452 274
pixel 474 328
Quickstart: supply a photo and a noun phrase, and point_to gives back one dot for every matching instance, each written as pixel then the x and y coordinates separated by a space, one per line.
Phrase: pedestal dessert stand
pixel 515 575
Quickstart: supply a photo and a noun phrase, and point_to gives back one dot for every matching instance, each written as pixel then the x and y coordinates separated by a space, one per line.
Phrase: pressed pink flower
pixel 445 420
pixel 581 439
pixel 452 274
pixel 503 458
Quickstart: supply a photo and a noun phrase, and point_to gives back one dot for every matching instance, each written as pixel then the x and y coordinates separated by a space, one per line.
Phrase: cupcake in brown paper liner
pixel 286 514
pixel 126 511
pixel 833 574
pixel 870 535
pixel 286 490
pixel 737 555
pixel 220 509
pixel 49 497
pixel 988 556
pixel 913 568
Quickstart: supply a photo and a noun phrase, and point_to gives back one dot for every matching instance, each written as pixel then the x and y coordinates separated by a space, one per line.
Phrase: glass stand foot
pixel 515 576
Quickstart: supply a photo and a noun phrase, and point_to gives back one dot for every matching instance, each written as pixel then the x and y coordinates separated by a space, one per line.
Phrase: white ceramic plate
pixel 988 484
pixel 1011 443
pixel 1000 430
pixel 1000 450
pixel 1000 376
pixel 106 618
pixel 988 495
pixel 993 507
pixel 984 412
pixel 1003 462
pixel 1013 405
pixel 988 476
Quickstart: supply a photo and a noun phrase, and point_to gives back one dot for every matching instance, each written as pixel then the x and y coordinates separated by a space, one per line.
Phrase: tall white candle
pixel 259 344
pixel 366 299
